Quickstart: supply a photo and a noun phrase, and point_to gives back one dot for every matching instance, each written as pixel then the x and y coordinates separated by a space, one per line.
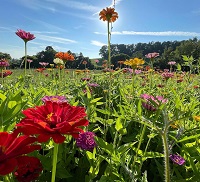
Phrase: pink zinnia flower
pixel 172 63
pixel 167 75
pixel 152 55
pixel 29 60
pixel 26 36
pixel 4 63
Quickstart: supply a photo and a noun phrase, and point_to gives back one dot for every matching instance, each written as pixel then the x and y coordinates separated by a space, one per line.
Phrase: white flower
pixel 58 61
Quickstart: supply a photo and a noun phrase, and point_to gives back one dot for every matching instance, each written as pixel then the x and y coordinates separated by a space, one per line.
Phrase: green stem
pixel 139 144
pixel 2 76
pixel 166 157
pixel 109 54
pixel 55 154
pixel 25 59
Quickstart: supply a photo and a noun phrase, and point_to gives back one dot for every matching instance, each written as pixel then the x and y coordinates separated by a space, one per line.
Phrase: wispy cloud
pixel 76 5
pixel 97 43
pixel 115 2
pixel 165 33
pixel 54 39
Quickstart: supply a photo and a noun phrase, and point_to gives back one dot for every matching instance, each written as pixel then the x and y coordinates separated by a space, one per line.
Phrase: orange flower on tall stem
pixel 65 56
pixel 110 16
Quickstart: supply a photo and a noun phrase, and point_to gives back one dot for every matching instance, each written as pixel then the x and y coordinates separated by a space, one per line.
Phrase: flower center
pixel 49 117
pixel 2 149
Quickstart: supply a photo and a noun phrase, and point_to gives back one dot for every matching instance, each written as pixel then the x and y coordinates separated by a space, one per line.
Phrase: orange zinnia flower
pixel 108 14
pixel 65 56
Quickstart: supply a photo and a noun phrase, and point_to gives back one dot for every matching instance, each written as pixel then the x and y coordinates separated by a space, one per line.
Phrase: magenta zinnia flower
pixel 53 120
pixel 26 36
pixel 86 141
pixel 28 169
pixel 177 159
pixel 151 103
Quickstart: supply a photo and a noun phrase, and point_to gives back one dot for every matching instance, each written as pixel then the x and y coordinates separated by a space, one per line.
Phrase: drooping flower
pixel 177 159
pixel 151 103
pixel 12 146
pixel 56 98
pixel 53 120
pixel 86 141
pixel 28 169
pixel 108 14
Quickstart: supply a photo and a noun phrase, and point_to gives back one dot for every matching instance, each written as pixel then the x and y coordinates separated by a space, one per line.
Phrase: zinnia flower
pixel 58 61
pixel 53 120
pixel 3 63
pixel 28 169
pixel 12 146
pixel 151 103
pixel 6 73
pixel 108 14
pixel 58 99
pixel 171 63
pixel 26 36
pixel 152 55
pixel 65 56
pixel 167 75
pixel 44 64
pixel 177 159
pixel 86 141
pixel 85 79
pixel 134 62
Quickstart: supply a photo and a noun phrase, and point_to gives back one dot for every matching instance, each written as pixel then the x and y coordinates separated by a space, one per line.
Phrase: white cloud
pixel 97 43
pixel 165 33
pixel 76 5
pixel 54 39
pixel 115 2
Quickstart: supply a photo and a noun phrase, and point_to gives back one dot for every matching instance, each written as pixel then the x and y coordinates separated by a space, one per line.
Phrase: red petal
pixel 7 166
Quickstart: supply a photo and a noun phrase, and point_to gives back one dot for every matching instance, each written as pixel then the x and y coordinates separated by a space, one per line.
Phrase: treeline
pixel 168 50
pixel 48 55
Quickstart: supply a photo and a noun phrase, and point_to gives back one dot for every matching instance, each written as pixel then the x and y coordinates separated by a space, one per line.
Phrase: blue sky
pixel 74 24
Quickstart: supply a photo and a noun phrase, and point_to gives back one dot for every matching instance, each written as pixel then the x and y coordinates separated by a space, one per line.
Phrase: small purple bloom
pixel 3 63
pixel 58 99
pixel 85 79
pixel 93 85
pixel 86 141
pixel 167 75
pixel 138 72
pixel 177 159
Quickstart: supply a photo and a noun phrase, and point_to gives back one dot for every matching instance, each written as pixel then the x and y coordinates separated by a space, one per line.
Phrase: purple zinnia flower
pixel 3 63
pixel 85 79
pixel 93 85
pixel 167 75
pixel 86 141
pixel 177 159
pixel 58 99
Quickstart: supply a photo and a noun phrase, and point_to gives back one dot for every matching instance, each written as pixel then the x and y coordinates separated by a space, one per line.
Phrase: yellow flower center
pixel 49 116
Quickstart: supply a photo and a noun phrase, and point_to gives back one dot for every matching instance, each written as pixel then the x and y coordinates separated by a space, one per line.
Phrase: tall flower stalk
pixel 25 36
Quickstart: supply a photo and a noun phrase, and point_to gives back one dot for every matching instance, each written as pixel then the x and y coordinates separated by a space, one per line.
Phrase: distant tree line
pixel 168 50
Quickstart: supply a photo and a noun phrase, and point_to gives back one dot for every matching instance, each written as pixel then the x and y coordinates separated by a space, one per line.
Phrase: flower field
pixel 136 123
pixel 99 126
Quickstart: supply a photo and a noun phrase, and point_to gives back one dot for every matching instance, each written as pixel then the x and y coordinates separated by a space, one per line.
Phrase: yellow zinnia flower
pixel 197 118
pixel 134 62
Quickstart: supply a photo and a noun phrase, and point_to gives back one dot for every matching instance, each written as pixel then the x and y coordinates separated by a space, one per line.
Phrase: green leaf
pixel 118 125
pixel 95 100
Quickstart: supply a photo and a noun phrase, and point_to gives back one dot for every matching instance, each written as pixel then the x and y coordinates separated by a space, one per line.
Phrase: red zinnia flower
pixel 29 169
pixel 26 36
pixel 53 120
pixel 6 73
pixel 11 147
